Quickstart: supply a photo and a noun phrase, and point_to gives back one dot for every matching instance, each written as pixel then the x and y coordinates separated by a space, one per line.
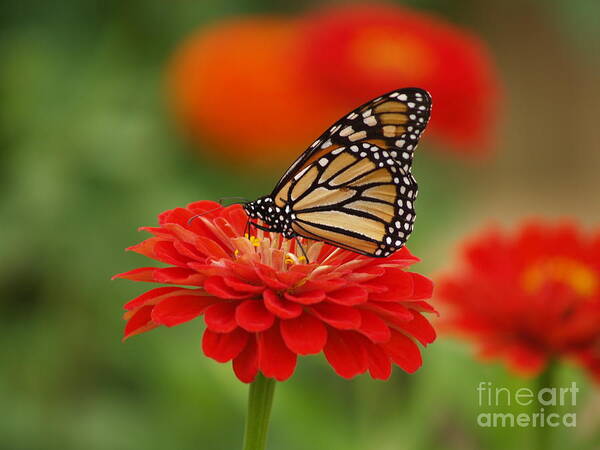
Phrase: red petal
pixel 189 251
pixel 177 215
pixel 399 286
pixel 351 295
pixel 324 285
pixel 419 327
pixel 281 308
pixel 338 316
pixel 275 359
pixel 306 298
pixel 181 234
pixel 269 277
pixel 346 353
pixel 139 322
pixel 178 275
pixel 157 232
pixel 236 216
pixel 405 257
pixel 291 277
pixel 141 274
pixel 404 352
pixel 245 365
pixel 152 296
pixel 241 286
pixel 422 287
pixel 225 227
pixel 146 247
pixel 252 315
pixel 166 252
pixel 304 335
pixel 243 271
pixel 224 346
pixel 392 312
pixel 217 287
pixel 180 308
pixel 210 248
pixel 423 307
pixel 220 317
pixel 374 327
pixel 380 366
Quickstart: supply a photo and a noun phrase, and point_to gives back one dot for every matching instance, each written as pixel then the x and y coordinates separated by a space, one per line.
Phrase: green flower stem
pixel 260 400
pixel 547 379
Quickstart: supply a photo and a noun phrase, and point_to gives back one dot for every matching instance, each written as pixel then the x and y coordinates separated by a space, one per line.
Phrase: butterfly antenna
pixel 191 219
pixel 238 200
pixel 221 202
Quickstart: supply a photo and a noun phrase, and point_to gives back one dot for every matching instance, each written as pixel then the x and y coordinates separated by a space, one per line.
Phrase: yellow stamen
pixel 577 276
pixel 294 259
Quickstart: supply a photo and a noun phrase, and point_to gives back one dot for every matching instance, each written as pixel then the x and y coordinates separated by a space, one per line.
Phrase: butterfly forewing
pixel 393 121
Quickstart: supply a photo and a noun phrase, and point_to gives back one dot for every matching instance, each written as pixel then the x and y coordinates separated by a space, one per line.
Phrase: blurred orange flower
pixel 260 89
pixel 530 297
pixel 236 88
pixel 360 51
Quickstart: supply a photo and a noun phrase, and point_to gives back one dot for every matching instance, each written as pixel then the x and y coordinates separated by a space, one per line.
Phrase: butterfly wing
pixel 353 187
pixel 394 121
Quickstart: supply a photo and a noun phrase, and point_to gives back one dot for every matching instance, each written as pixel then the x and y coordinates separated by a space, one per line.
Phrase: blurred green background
pixel 88 152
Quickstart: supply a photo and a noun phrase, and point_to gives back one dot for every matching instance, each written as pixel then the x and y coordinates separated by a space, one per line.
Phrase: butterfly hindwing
pixel 357 197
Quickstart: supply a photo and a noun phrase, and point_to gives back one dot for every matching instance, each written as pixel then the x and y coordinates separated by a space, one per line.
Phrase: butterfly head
pixel 274 217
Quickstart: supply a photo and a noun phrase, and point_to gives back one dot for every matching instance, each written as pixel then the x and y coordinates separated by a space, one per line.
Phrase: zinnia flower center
pixel 275 250
pixel 401 54
pixel 580 278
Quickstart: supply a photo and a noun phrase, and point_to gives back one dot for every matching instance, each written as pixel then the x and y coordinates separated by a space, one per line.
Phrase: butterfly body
pixel 276 219
pixel 353 187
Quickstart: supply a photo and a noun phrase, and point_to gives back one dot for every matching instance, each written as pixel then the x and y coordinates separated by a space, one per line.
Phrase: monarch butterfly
pixel 353 187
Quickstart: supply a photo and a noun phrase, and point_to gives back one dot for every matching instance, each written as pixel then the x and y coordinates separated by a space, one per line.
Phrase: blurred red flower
pixel 260 89
pixel 235 87
pixel 263 306
pixel 529 298
pixel 358 52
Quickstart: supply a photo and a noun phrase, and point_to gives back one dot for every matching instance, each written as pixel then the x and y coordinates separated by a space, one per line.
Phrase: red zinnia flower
pixel 263 305
pixel 358 52
pixel 531 297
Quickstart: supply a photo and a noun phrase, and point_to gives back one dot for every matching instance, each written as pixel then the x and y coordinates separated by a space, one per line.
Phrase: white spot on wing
pixel 371 121
pixel 326 144
pixel 346 131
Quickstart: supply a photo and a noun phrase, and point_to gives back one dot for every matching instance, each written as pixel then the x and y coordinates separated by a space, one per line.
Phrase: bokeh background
pixel 92 146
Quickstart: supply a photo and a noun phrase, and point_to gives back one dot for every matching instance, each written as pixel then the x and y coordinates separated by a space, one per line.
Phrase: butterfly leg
pixel 260 227
pixel 301 249
pixel 247 229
